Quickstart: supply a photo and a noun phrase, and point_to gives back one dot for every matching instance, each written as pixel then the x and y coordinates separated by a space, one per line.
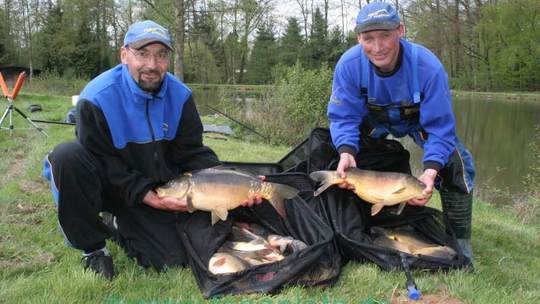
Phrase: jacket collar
pixel 139 95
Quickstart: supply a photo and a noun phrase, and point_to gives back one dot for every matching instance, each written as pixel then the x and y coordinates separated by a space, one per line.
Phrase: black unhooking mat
pixel 349 216
pixel 318 264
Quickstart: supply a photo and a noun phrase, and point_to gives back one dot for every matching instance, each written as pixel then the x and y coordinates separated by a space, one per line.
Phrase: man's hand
pixel 346 161
pixel 256 199
pixel 164 203
pixel 428 178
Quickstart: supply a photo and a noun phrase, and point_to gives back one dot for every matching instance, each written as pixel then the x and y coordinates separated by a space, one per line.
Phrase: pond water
pixel 497 133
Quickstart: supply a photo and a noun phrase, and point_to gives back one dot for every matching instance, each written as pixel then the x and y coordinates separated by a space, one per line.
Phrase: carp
pixel 224 263
pixel 411 243
pixel 220 190
pixel 375 187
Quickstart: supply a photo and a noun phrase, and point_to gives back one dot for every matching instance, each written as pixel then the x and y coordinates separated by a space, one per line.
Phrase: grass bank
pixel 36 267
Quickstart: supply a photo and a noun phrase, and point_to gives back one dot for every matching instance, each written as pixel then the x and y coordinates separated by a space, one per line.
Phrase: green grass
pixel 36 267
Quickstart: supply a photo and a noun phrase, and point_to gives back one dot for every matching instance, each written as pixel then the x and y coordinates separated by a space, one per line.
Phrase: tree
pixel 291 42
pixel 205 31
pixel 304 10
pixel 252 12
pixel 338 45
pixel 316 50
pixel 263 56
pixel 84 57
pixel 179 42
pixel 51 40
pixel 232 57
pixel 200 65
pixel 3 38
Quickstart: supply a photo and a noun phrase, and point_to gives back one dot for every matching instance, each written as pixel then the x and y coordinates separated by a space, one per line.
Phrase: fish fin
pixel 285 191
pixel 190 207
pixel 326 177
pixel 399 190
pixel 219 214
pixel 280 193
pixel 219 262
pixel 376 208
pixel 401 207
pixel 373 198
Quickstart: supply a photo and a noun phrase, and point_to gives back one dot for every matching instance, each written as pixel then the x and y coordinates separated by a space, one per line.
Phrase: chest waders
pixel 455 180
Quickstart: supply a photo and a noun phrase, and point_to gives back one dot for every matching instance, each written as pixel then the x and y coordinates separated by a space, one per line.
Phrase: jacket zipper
pixel 149 121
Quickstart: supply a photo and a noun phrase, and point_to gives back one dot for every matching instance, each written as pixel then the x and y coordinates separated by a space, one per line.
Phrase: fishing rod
pixel 236 121
pixel 55 122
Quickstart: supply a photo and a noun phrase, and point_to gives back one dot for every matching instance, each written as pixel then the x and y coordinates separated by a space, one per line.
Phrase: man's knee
pixel 458 174
pixel 73 159
pixel 67 153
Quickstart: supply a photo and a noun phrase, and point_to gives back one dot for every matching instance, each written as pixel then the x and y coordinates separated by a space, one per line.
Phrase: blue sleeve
pixel 346 107
pixel 437 119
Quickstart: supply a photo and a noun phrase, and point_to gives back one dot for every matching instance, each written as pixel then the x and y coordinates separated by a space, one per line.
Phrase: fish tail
pixel 326 178
pixel 280 193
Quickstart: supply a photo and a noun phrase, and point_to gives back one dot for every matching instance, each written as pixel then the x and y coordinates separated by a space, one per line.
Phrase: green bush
pixel 294 105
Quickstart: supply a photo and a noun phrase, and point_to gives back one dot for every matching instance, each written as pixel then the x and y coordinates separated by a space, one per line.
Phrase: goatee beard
pixel 151 87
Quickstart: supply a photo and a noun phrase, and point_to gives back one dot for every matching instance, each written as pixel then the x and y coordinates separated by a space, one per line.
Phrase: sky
pixel 290 8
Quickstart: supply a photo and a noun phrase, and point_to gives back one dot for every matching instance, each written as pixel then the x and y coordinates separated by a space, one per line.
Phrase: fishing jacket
pixel 414 100
pixel 141 139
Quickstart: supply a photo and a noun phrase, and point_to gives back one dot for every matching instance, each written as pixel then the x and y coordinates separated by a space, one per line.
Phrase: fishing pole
pixel 55 122
pixel 238 122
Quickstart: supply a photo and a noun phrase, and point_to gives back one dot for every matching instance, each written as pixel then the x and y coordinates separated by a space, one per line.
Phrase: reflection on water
pixel 497 132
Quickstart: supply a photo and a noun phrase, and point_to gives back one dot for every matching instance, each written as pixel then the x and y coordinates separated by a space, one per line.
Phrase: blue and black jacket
pixel 141 139
pixel 414 99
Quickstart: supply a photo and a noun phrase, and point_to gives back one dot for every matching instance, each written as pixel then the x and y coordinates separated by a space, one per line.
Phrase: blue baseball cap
pixel 143 33
pixel 377 15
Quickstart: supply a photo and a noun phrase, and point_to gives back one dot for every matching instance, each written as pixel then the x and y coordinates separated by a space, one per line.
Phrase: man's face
pixel 382 47
pixel 147 65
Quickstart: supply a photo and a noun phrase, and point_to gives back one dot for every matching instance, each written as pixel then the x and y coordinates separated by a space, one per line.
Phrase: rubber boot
pixel 466 248
pixel 458 209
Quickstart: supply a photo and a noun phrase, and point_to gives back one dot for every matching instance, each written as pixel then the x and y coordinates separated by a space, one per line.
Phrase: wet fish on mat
pixel 225 263
pixel 286 244
pixel 412 239
pixel 256 252
pixel 220 190
pixel 375 187
pixel 388 242
pixel 411 243
pixel 441 252
pixel 243 232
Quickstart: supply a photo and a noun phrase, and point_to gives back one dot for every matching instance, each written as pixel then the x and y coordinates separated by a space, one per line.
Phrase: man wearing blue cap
pixel 387 85
pixel 137 128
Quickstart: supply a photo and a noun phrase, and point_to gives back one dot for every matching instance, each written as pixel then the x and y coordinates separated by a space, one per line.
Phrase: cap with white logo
pixel 377 15
pixel 143 33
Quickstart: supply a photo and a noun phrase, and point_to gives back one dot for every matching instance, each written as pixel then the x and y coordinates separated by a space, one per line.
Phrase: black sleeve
pixel 189 153
pixel 94 134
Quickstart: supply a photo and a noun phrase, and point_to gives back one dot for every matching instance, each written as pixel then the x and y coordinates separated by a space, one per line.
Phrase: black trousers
pixel 149 235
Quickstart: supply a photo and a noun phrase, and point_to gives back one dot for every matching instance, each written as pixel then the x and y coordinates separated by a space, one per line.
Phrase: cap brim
pixel 378 26
pixel 144 42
